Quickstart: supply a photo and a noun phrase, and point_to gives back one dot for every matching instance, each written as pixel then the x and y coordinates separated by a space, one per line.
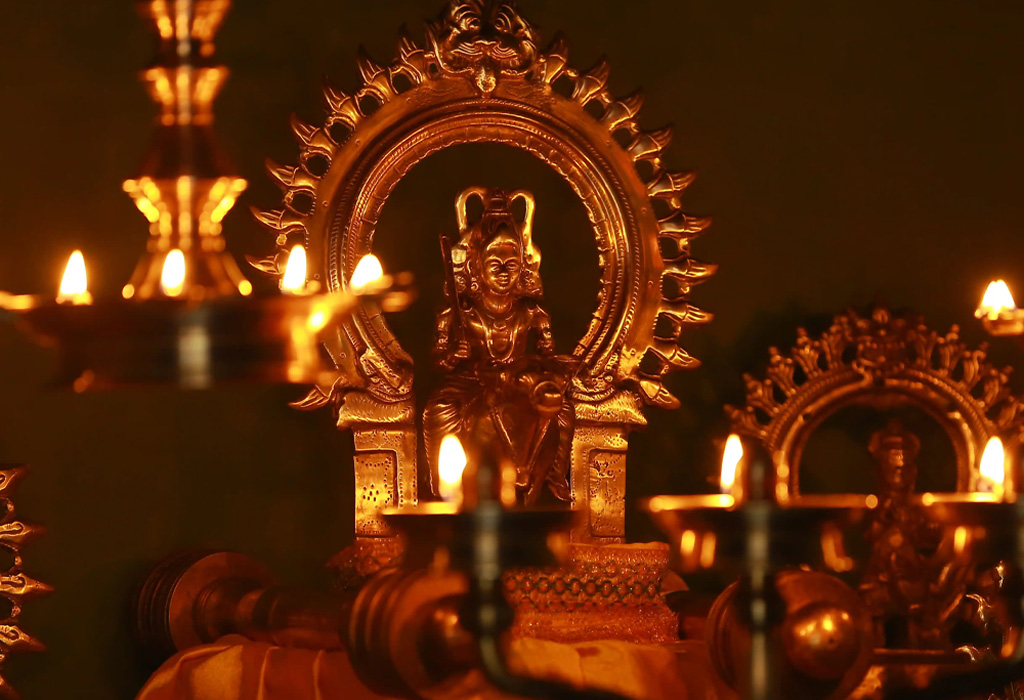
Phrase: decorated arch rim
pixel 481 78
pixel 880 361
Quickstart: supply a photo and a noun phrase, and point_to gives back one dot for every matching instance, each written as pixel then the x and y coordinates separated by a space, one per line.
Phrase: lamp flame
pixel 451 463
pixel 996 300
pixel 74 285
pixel 368 270
pixel 172 278
pixel 731 456
pixel 992 471
pixel 294 279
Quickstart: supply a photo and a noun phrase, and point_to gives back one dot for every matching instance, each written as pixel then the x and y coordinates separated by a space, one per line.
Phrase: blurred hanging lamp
pixel 187 315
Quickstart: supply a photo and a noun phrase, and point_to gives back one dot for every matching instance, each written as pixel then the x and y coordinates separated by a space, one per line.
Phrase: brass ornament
pixel 910 580
pixel 186 186
pixel 882 361
pixel 15 585
pixel 823 646
pixel 482 79
pixel 618 587
pixel 485 332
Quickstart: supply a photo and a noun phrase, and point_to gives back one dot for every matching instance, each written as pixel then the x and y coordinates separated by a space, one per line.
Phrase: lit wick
pixel 368 271
pixel 294 279
pixel 731 456
pixel 74 286
pixel 451 464
pixel 997 299
pixel 172 277
pixel 992 471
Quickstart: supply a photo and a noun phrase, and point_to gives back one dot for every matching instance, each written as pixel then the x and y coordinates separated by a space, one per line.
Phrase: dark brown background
pixel 848 152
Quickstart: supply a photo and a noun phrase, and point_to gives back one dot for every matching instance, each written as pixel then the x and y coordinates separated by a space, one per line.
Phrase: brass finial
pixel 185 186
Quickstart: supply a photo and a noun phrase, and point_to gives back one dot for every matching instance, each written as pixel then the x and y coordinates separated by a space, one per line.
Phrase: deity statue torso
pixel 497 339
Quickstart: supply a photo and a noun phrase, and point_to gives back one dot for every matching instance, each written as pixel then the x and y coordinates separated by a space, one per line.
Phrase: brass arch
pixel 442 108
pixel 880 362
pixel 454 91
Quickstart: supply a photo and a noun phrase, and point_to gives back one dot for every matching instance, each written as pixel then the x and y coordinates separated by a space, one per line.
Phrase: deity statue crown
pixel 496 227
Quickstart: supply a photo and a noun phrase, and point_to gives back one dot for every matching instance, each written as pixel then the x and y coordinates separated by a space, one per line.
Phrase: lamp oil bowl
pixel 114 344
pixel 717 532
pixel 196 340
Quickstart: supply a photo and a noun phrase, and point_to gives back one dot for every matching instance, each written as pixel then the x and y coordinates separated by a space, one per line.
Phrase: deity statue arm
pixel 447 357
pixel 545 342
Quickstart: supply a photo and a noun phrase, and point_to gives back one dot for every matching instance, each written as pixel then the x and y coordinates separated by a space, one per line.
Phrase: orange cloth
pixel 237 669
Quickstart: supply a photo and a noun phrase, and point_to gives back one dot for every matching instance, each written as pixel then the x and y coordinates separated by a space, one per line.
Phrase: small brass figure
pixel 494 339
pixel 910 586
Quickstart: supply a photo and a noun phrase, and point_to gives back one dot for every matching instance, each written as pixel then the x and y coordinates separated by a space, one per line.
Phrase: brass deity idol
pixel 909 585
pixel 494 339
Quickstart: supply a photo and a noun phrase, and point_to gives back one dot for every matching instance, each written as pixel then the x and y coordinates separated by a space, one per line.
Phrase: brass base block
pixel 618 586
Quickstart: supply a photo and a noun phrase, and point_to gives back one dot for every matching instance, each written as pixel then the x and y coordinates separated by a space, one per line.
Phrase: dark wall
pixel 848 151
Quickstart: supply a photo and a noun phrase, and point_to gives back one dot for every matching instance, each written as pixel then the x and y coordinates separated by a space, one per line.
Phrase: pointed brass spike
pixel 682 228
pixel 278 219
pixel 265 265
pixel 689 271
pixel 368 68
pixel 321 394
pixel 412 59
pixel 674 356
pixel 10 476
pixel 680 225
pixel 682 312
pixel 15 584
pixel 406 46
pixel 283 175
pixel 303 131
pixel 622 112
pixel 17 533
pixel 347 112
pixel 650 144
pixel 556 58
pixel 313 400
pixel 591 83
pixel 13 638
pixel 333 96
pixel 670 184
pixel 655 393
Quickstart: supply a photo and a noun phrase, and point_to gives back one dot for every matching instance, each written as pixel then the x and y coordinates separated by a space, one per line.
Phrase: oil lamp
pixel 747 532
pixel 998 312
pixel 187 316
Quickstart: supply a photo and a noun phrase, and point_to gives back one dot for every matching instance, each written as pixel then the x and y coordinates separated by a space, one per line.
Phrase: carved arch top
pixel 880 361
pixel 481 78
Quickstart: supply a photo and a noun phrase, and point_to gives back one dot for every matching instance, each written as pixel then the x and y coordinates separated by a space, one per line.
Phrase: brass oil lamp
pixel 188 315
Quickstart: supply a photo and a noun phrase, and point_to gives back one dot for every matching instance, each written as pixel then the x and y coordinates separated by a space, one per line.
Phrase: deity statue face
pixel 897 473
pixel 502 263
pixel 895 450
